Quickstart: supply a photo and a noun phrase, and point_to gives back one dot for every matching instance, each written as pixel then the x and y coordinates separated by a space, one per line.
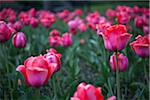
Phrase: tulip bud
pixel 19 82
pixel 19 40
pixel 5 32
pixel 122 62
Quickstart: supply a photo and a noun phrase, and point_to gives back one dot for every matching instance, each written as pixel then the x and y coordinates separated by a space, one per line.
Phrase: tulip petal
pixel 36 76
pixel 122 40
pixel 22 70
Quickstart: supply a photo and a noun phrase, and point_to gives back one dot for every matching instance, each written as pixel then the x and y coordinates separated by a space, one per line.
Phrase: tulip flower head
pixel 116 37
pixel 141 46
pixel 122 62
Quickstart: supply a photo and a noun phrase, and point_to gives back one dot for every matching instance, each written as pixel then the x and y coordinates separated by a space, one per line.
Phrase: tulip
pixel 116 37
pixel 33 22
pixel 87 92
pixel 54 41
pixel 18 26
pixel 138 22
pixel 123 17
pixel 146 30
pixel 5 32
pixel 19 40
pixel 141 46
pixel 36 71
pixel 73 26
pixel 122 62
pixel 53 58
pixel 82 27
pixel 78 12
pixel 66 40
pixel 54 33
pixel 110 14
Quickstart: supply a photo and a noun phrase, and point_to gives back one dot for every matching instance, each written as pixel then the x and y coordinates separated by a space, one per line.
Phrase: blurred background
pixel 57 5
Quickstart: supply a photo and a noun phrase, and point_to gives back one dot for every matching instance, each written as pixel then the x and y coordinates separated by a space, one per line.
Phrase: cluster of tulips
pixel 38 70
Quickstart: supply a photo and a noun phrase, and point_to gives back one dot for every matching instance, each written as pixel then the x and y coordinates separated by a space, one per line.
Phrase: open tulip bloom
pixel 38 70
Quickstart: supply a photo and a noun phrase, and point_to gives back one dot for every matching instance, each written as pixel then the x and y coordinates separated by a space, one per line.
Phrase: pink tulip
pixel 33 22
pixel 112 98
pixel 53 58
pixel 54 33
pixel 116 37
pixel 141 46
pixel 54 41
pixel 122 62
pixel 146 30
pixel 36 71
pixel 5 32
pixel 138 22
pixel 66 40
pixel 111 14
pixel 19 40
pixel 73 26
pixel 82 27
pixel 123 17
pixel 87 92
pixel 18 26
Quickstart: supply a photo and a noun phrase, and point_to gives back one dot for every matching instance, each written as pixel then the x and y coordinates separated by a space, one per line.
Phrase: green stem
pixel 37 94
pixel 145 71
pixel 117 78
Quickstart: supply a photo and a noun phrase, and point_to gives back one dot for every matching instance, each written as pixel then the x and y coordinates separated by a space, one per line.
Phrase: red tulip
pixel 18 26
pixel 33 22
pixel 141 46
pixel 54 41
pixel 122 62
pixel 87 92
pixel 66 40
pixel 19 40
pixel 116 37
pixel 36 71
pixel 5 32
pixel 53 57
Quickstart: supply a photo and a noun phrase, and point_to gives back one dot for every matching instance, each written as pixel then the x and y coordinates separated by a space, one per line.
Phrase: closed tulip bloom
pixel 53 58
pixel 33 22
pixel 66 40
pixel 19 40
pixel 18 26
pixel 116 37
pixel 36 71
pixel 141 46
pixel 87 92
pixel 122 62
pixel 5 32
